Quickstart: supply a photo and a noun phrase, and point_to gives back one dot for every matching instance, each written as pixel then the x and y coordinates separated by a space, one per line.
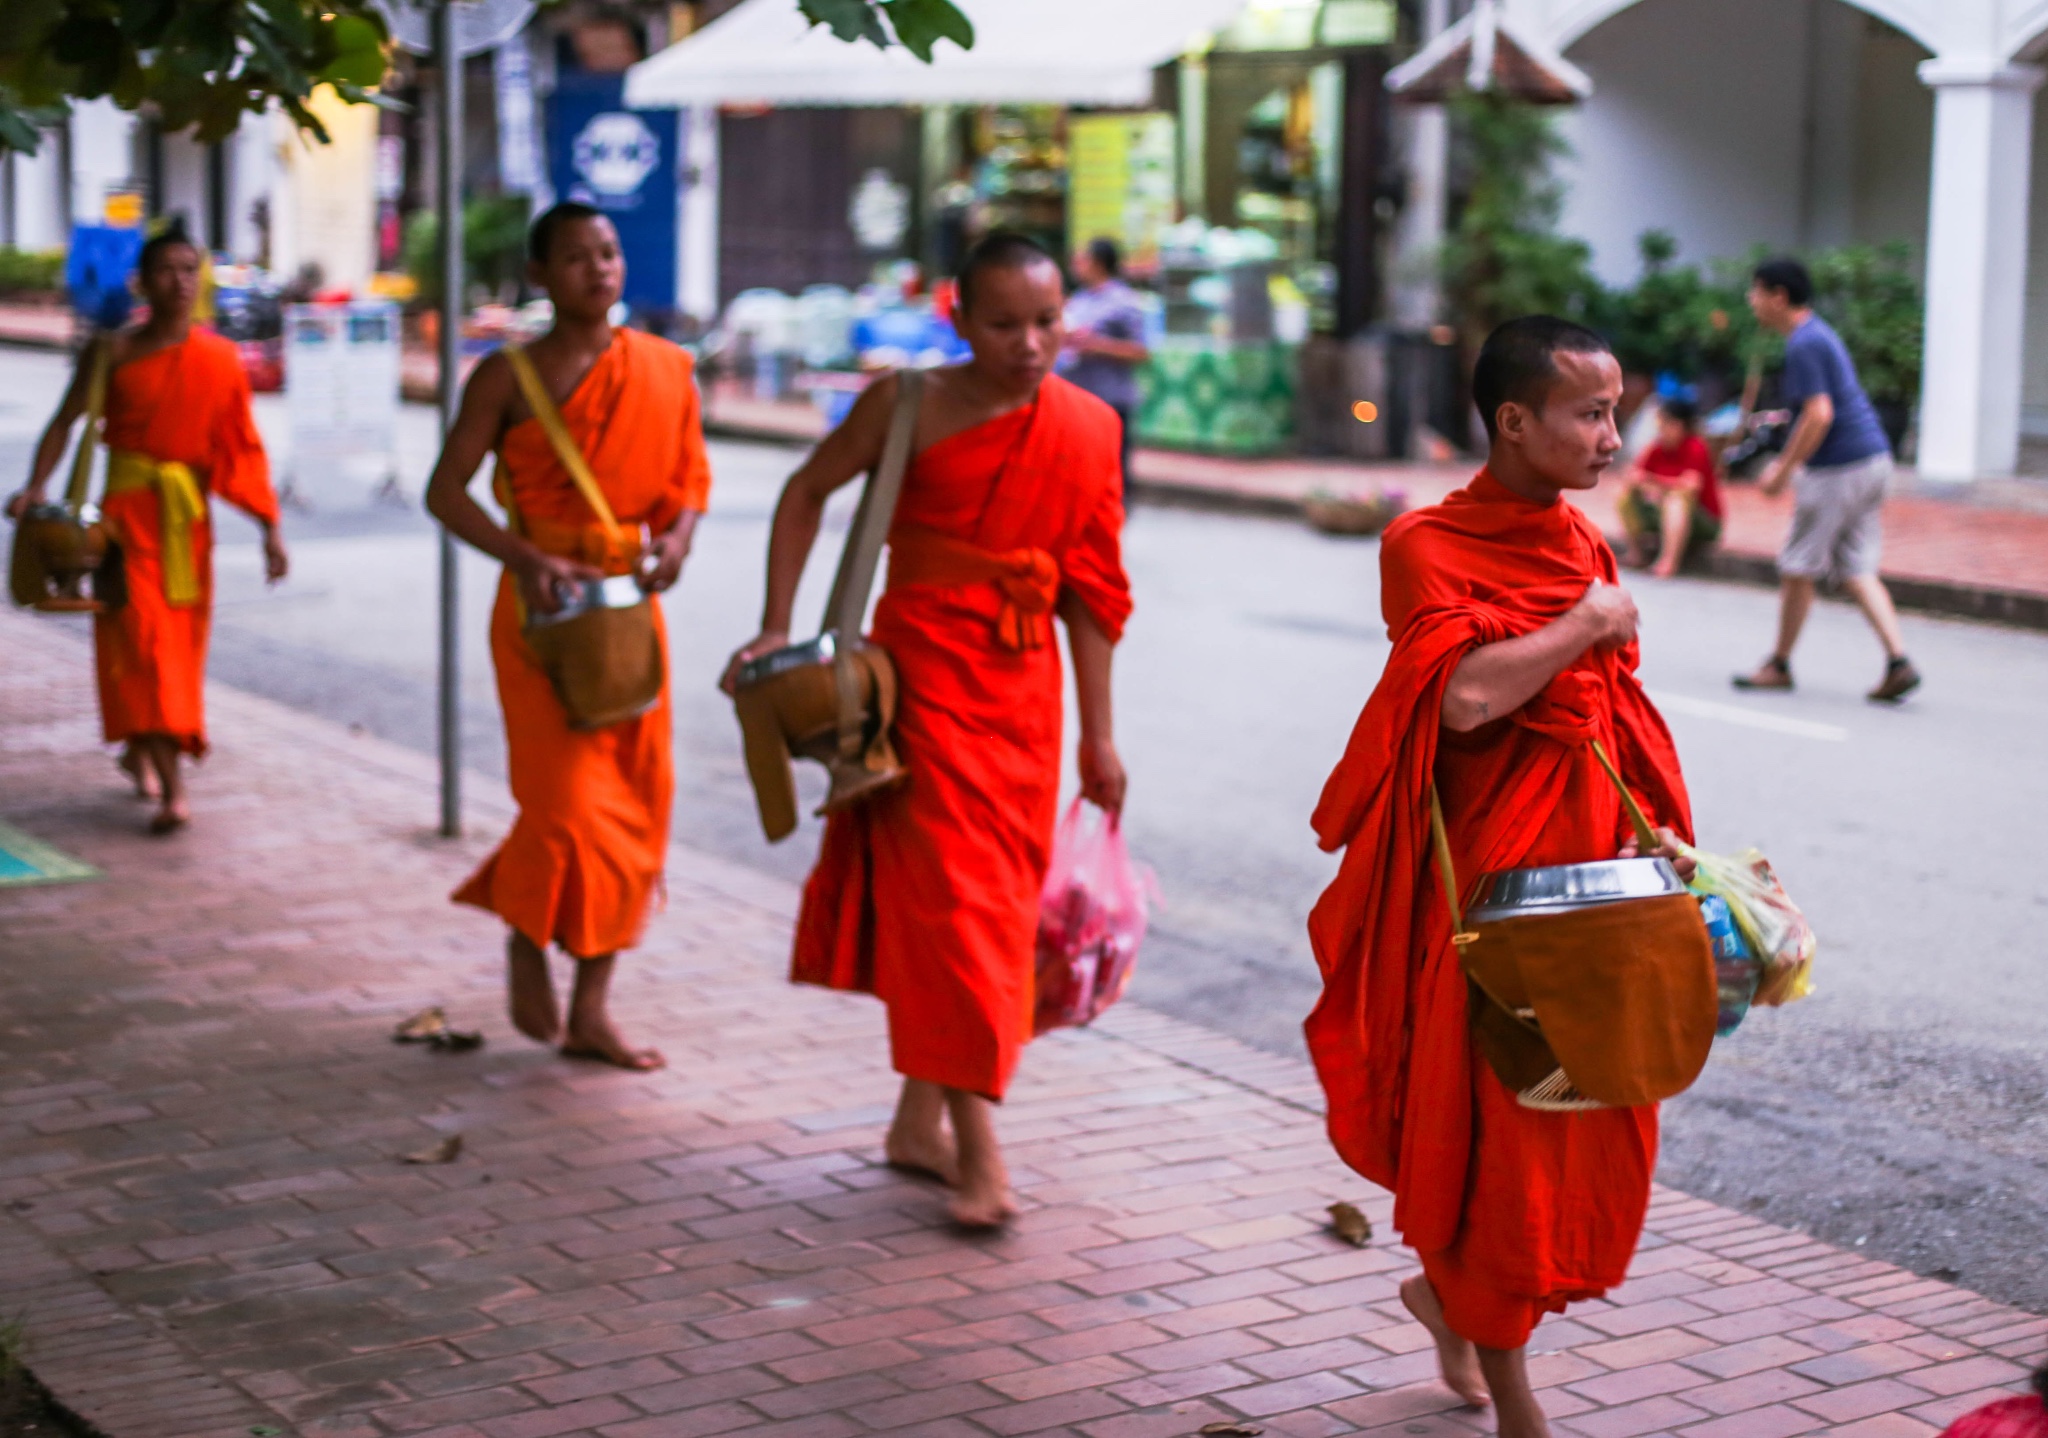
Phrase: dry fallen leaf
pixel 446 1151
pixel 1350 1225
pixel 1232 1430
pixel 421 1027
pixel 457 1041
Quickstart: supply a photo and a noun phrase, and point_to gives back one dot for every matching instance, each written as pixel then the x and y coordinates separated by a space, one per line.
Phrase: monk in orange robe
pixel 927 896
pixel 178 430
pixel 1513 652
pixel 583 864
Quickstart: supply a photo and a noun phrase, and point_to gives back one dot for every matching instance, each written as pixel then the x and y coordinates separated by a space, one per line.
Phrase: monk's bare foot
pixel 138 771
pixel 986 1203
pixel 535 1012
pixel 928 1153
pixel 597 1039
pixel 173 816
pixel 1455 1356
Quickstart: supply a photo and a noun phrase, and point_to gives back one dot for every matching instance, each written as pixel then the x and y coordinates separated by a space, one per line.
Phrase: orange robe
pixel 927 897
pixel 1513 1212
pixel 585 857
pixel 188 404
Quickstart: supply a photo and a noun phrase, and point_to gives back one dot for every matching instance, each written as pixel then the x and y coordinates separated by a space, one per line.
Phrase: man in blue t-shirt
pixel 1840 464
pixel 1106 337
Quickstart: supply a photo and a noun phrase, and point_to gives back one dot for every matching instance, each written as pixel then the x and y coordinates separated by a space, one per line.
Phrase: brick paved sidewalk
pixel 204 1224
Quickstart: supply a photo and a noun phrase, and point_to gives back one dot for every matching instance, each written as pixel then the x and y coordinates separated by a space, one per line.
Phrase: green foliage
pixel 493 245
pixel 918 25
pixel 30 271
pixel 1675 319
pixel 1693 323
pixel 1503 256
pixel 202 64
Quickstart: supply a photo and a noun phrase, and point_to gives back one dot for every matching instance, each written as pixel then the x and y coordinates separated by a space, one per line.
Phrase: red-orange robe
pixel 1513 1212
pixel 585 857
pixel 187 404
pixel 927 897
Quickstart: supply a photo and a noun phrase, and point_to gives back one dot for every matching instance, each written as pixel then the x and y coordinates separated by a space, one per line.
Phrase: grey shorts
pixel 1837 520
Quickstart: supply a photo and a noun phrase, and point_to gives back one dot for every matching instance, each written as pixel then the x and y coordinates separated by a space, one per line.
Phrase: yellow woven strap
pixel 183 504
pixel 95 407
pixel 1444 869
pixel 564 444
pixel 1646 837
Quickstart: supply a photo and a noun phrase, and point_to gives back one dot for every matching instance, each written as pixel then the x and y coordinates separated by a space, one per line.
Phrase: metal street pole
pixel 448 54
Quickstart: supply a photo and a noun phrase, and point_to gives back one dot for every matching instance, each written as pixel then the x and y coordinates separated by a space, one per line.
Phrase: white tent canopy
pixel 1079 52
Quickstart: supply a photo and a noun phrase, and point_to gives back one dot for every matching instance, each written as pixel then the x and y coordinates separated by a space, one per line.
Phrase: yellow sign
pixel 1120 181
pixel 123 209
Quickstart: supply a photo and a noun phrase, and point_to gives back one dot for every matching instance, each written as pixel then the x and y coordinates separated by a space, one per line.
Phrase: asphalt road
pixel 1903 1110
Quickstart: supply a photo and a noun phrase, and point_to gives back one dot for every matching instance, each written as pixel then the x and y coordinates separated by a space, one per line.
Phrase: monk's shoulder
pixel 1417 537
pixel 214 349
pixel 660 357
pixel 1082 411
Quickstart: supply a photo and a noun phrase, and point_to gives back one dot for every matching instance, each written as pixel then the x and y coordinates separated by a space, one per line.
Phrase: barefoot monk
pixel 1513 652
pixel 927 896
pixel 178 431
pixel 583 864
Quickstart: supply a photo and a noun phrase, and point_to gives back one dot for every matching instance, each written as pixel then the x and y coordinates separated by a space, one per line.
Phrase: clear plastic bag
pixel 1778 934
pixel 1091 919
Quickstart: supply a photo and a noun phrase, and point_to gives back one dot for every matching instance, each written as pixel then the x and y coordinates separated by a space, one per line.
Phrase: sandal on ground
pixel 1900 679
pixel 1773 673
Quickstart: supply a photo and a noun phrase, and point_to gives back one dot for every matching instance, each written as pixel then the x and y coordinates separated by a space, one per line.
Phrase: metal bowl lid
pixel 821 650
pixel 1512 893
pixel 617 591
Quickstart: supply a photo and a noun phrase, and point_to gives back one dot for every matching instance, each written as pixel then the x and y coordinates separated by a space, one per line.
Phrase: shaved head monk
pixel 583 863
pixel 178 432
pixel 927 896
pixel 1514 651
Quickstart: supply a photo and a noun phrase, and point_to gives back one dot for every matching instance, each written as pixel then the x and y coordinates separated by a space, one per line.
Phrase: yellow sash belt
pixel 184 505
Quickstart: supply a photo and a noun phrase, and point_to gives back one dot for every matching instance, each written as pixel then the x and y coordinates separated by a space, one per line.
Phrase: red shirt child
pixel 1688 455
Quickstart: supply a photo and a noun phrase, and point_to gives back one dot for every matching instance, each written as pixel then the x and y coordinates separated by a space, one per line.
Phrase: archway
pixel 1929 22
pixel 1737 123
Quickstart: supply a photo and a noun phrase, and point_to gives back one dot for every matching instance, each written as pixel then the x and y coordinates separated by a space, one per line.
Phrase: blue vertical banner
pixel 626 163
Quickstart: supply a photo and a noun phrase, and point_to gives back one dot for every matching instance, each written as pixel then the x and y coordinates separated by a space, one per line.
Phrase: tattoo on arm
pixel 1485 711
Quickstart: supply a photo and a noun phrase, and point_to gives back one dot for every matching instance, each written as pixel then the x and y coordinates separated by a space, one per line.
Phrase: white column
pixel 697 229
pixel 1976 266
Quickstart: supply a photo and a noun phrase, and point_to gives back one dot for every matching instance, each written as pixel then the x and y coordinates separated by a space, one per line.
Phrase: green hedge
pixel 1694 321
pixel 31 271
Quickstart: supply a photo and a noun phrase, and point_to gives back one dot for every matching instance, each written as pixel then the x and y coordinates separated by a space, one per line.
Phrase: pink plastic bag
pixel 1091 919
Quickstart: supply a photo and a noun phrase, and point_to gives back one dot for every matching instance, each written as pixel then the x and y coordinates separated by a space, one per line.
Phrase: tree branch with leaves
pixel 201 65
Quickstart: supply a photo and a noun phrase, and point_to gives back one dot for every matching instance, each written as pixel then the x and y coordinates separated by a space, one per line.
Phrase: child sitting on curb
pixel 1671 509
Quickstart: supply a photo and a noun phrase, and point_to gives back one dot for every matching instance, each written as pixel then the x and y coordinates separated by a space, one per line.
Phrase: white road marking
pixel 1749 718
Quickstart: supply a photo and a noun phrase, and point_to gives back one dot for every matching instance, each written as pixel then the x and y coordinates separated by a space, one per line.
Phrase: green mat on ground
pixel 28 860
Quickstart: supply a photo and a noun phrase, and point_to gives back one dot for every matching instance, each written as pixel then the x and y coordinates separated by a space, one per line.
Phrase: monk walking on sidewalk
pixel 927 896
pixel 1514 652
pixel 178 429
pixel 584 861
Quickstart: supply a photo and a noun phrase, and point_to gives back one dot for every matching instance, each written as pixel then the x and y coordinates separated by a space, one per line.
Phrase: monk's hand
pixel 662 564
pixel 1610 614
pixel 547 580
pixel 19 502
pixel 1667 848
pixel 765 642
pixel 1102 775
pixel 276 563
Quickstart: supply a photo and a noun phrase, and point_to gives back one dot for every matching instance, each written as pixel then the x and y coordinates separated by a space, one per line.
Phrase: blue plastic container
pixel 1736 970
